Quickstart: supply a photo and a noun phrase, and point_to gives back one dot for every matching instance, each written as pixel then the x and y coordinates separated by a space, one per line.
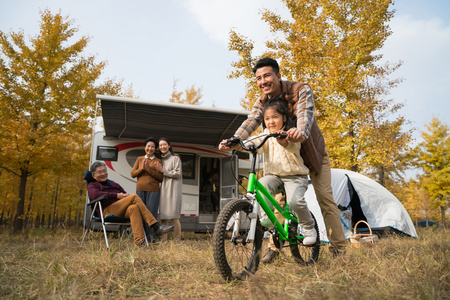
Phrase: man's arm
pixel 254 119
pixel 252 122
pixel 95 190
pixel 305 115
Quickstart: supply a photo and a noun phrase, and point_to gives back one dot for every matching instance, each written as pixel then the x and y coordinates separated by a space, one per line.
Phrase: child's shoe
pixel 310 237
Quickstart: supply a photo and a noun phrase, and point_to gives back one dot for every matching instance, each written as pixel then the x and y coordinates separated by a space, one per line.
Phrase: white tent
pixel 359 197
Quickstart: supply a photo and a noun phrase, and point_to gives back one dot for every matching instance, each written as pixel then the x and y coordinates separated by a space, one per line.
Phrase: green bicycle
pixel 238 233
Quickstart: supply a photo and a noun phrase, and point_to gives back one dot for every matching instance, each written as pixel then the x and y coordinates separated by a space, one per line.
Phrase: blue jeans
pixel 151 201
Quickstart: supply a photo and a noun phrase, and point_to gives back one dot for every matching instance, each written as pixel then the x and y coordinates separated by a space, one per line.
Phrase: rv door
pixel 229 180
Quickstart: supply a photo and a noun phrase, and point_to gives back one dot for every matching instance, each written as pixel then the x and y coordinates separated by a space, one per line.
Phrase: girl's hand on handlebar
pixel 282 140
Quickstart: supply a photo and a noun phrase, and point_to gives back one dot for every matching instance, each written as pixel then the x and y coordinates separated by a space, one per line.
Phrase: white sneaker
pixel 310 237
pixel 267 223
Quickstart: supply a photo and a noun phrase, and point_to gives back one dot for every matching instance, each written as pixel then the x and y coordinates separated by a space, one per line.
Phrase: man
pixel 122 204
pixel 298 98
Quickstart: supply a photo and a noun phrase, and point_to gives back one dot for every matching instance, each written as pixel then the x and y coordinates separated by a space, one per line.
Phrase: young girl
pixel 285 167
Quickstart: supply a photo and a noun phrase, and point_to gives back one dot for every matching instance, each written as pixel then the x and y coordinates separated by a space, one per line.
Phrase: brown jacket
pixel 147 179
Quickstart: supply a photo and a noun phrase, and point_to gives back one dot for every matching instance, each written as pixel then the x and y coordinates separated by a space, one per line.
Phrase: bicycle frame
pixel 256 191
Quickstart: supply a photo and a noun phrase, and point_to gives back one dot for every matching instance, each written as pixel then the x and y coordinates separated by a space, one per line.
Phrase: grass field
pixel 42 266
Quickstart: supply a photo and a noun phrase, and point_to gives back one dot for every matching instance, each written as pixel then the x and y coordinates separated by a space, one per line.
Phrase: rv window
pixel 188 161
pixel 132 155
pixel 243 155
pixel 107 153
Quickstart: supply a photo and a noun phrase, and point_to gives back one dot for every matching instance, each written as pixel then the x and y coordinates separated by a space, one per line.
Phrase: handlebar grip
pixel 281 135
pixel 232 141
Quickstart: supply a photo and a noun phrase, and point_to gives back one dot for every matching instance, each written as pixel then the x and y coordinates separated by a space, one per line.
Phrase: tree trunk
pixel 18 221
pixel 37 220
pixel 12 217
pixel 29 219
pixel 30 222
pixel 49 221
pixel 443 216
pixel 3 210
pixel 70 218
pixel 381 175
pixel 353 158
pixel 77 221
pixel 42 220
pixel 54 205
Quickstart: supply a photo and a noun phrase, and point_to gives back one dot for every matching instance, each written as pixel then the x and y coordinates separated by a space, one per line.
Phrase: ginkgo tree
pixel 48 90
pixel 192 95
pixel 432 157
pixel 334 46
pixel 417 202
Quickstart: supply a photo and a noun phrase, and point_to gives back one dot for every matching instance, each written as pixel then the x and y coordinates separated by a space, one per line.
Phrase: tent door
pixel 355 203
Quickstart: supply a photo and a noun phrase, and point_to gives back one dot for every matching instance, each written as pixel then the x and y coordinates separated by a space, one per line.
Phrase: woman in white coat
pixel 171 188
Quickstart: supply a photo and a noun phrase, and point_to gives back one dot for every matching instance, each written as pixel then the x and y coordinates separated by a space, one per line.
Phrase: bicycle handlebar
pixel 237 140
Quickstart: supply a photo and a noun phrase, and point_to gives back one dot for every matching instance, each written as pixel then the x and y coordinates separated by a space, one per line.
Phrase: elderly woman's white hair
pixel 96 165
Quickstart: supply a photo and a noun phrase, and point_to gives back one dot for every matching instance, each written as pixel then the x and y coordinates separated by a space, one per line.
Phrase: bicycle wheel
pixel 235 258
pixel 305 255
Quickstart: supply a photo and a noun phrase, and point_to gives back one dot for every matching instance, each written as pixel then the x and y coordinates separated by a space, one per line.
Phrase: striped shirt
pixel 304 112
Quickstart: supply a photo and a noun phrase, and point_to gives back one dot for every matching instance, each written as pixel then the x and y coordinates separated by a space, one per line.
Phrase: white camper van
pixel 209 175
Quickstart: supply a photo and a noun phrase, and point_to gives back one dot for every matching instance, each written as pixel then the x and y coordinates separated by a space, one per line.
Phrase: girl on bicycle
pixel 284 168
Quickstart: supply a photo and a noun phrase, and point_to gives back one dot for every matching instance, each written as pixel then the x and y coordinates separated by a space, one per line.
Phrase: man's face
pixel 100 174
pixel 268 81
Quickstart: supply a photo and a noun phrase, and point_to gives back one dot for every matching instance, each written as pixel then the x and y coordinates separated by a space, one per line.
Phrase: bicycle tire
pixel 305 255
pixel 236 259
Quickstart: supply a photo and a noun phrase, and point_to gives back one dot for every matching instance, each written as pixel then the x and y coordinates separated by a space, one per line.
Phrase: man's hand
pixel 295 136
pixel 223 146
pixel 122 195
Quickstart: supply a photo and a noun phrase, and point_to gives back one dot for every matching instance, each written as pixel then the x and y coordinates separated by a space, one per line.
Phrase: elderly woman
pixel 149 173
pixel 171 188
pixel 122 204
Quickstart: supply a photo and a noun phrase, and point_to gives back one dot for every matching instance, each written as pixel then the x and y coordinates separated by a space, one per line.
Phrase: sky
pixel 151 44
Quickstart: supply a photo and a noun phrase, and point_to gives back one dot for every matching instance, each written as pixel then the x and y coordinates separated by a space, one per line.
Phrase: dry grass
pixel 39 266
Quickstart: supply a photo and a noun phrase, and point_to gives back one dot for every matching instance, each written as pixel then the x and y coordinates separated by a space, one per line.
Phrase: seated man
pixel 122 204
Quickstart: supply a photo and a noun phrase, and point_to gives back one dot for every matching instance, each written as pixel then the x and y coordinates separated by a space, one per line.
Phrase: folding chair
pixel 104 220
